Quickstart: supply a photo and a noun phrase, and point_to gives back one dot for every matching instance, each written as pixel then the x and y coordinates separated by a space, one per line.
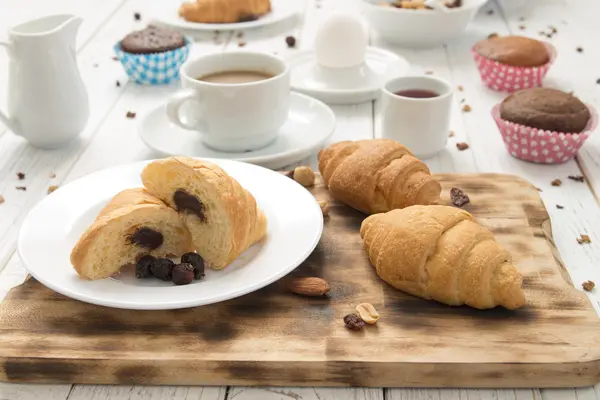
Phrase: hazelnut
pixel 304 176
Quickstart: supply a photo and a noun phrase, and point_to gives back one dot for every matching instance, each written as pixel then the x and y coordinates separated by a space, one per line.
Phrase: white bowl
pixel 419 28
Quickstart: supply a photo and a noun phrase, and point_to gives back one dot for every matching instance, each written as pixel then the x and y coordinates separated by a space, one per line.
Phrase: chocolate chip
pixel 196 261
pixel 137 16
pixel 188 203
pixel 23 188
pixel 580 49
pixel 291 41
pixel 143 266
pixel 118 84
pixel 147 237
pixel 577 178
pixel 20 175
pixel 162 269
pixel 130 114
pixel 183 274
pixel 458 197
pixel 560 207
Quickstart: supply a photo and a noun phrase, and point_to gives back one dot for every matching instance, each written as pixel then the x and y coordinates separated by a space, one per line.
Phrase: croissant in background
pixel 224 11
pixel 376 176
pixel 442 253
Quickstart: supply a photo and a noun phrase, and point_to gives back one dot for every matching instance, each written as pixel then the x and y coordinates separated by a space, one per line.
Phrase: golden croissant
pixel 224 11
pixel 221 215
pixel 442 253
pixel 377 175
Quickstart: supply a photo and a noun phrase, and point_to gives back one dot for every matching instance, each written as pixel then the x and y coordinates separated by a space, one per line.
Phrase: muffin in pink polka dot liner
pixel 510 78
pixel 542 146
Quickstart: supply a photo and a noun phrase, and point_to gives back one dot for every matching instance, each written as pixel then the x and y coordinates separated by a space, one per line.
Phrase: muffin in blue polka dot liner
pixel 153 56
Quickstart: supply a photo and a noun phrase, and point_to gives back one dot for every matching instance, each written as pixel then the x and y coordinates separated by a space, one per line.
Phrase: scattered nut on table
pixel 309 286
pixel 588 286
pixel 304 176
pixel 324 207
pixel 368 313
pixel 52 188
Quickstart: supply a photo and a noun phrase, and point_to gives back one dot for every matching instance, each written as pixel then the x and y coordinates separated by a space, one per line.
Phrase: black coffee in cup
pixel 417 93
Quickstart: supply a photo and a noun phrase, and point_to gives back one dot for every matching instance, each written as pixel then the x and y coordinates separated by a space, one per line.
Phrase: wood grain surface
pixel 272 337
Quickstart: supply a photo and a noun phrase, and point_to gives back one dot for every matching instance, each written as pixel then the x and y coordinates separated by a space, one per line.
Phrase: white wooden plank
pixel 25 391
pixel 559 394
pixel 116 392
pixel 243 393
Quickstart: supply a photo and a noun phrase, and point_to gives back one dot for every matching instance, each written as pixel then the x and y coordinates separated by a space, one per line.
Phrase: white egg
pixel 341 42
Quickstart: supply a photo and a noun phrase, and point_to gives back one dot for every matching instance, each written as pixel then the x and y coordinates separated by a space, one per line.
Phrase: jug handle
pixel 3 117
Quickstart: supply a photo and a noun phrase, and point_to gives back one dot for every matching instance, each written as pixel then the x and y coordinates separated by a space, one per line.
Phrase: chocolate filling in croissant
pixel 146 237
pixel 187 202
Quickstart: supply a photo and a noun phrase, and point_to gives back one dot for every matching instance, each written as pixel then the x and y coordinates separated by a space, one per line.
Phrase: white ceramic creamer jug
pixel 47 100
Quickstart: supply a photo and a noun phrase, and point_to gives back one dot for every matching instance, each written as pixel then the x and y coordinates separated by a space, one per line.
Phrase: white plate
pixel 166 12
pixel 345 86
pixel 53 226
pixel 309 125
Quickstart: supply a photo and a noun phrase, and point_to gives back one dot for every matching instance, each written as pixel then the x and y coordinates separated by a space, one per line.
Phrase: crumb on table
pixel 588 286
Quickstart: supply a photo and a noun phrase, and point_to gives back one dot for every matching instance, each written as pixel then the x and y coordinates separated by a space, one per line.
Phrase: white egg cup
pixel 351 85
pixel 342 69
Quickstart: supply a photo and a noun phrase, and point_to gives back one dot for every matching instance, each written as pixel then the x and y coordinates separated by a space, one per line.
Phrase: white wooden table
pixel 110 138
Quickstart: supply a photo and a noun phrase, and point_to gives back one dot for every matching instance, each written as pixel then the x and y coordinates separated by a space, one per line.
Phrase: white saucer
pixel 345 86
pixel 309 125
pixel 166 12
pixel 295 224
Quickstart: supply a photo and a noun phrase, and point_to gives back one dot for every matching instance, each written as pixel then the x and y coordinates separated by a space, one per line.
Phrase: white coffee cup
pixel 421 124
pixel 233 117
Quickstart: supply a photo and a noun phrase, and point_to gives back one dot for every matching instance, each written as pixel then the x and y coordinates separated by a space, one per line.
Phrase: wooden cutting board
pixel 272 337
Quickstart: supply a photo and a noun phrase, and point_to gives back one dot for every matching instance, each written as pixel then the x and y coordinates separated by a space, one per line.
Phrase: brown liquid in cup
pixel 417 93
pixel 232 77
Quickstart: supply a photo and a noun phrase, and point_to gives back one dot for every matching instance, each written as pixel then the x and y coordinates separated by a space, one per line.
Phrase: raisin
pixel 353 322
pixel 162 269
pixel 183 274
pixel 143 267
pixel 196 262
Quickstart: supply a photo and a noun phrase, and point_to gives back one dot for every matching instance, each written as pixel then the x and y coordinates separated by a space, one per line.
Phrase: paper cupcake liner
pixel 540 146
pixel 154 68
pixel 507 78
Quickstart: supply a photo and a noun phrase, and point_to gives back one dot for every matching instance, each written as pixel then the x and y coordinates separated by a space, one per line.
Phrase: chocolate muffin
pixel 547 109
pixel 517 51
pixel 152 40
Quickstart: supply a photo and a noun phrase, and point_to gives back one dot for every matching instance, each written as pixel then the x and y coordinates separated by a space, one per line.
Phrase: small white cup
pixel 232 117
pixel 421 124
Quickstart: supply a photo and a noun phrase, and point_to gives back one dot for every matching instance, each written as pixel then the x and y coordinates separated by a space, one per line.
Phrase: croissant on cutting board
pixel 375 176
pixel 224 11
pixel 441 253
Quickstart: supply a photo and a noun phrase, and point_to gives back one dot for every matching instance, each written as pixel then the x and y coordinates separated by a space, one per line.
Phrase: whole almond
pixel 312 287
